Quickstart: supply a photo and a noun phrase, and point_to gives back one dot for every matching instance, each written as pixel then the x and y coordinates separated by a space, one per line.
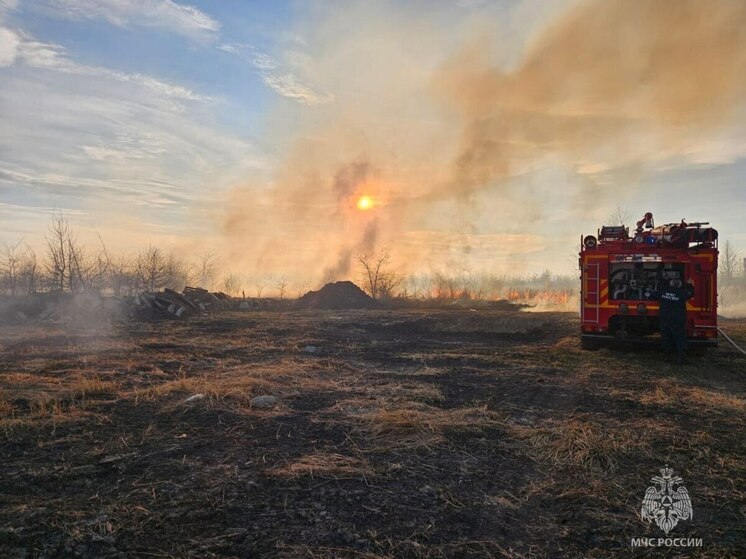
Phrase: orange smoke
pixel 609 85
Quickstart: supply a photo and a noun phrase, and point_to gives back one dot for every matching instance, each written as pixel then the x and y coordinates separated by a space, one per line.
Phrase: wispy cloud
pixel 8 4
pixel 50 56
pixel 99 141
pixel 281 77
pixel 9 42
pixel 288 85
pixel 9 39
pixel 163 14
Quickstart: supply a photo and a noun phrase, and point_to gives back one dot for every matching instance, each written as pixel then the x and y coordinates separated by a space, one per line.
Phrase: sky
pixel 486 135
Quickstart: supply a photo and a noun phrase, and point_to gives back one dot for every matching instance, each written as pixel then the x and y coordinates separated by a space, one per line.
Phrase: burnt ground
pixel 423 434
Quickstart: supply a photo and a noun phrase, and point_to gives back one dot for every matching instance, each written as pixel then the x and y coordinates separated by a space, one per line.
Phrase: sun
pixel 364 203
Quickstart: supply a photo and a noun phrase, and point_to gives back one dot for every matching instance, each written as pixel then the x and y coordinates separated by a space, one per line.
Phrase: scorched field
pixel 365 434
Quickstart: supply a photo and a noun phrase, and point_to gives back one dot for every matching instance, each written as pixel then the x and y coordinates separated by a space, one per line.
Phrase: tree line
pixel 65 264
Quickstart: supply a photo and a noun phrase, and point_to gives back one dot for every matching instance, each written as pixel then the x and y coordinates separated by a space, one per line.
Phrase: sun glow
pixel 364 203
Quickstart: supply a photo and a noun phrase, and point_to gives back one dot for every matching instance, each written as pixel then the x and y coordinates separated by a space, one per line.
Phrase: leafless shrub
pixel 620 216
pixel 176 272
pixel 728 262
pixel 232 283
pixel 378 280
pixel 328 276
pixel 66 266
pixel 281 284
pixel 150 268
pixel 29 276
pixel 11 266
pixel 259 287
pixel 206 269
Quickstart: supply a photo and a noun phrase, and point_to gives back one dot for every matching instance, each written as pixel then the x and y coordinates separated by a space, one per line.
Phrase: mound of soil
pixel 337 295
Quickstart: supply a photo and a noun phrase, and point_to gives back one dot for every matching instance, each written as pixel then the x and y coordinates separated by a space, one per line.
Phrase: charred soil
pixel 423 434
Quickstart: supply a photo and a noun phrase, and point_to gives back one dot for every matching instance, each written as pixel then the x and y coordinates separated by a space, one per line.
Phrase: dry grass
pixel 421 417
pixel 234 387
pixel 7 409
pixel 403 392
pixel 670 392
pixel 232 392
pixel 324 464
pixel 86 386
pixel 40 398
pixel 408 424
pixel 579 443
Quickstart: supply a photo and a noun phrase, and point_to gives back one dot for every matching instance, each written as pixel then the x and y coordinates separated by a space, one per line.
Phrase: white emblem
pixel 663 504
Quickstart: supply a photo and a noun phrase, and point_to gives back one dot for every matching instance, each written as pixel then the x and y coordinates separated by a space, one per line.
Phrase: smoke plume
pixel 467 134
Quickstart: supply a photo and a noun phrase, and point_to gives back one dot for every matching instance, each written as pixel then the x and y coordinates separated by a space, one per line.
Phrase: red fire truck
pixel 621 275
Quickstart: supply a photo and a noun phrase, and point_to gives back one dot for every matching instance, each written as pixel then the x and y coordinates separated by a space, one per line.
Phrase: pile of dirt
pixel 337 295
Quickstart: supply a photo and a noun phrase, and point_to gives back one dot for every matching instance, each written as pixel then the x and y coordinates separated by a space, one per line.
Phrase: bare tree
pixel 300 288
pixel 66 263
pixel 466 282
pixel 176 272
pixel 232 283
pixel 728 262
pixel 100 269
pixel 437 285
pixel 79 278
pixel 411 287
pixel 11 265
pixel 281 284
pixel 57 260
pixel 150 268
pixel 206 269
pixel 123 275
pixel 620 216
pixel 378 280
pixel 452 287
pixel 30 271
pixel 259 286
pixel 329 276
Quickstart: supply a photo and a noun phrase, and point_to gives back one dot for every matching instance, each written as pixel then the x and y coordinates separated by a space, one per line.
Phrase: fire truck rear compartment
pixel 641 281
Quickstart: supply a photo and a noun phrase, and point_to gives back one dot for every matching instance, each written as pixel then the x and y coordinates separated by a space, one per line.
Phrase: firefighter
pixel 672 316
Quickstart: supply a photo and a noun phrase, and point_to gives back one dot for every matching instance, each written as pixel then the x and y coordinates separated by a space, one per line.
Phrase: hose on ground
pixel 734 344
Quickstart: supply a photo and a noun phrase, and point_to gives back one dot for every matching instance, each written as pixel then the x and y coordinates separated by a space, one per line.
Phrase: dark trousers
pixel 673 334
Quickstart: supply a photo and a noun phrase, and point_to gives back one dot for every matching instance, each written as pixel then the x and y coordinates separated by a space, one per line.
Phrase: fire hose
pixel 734 344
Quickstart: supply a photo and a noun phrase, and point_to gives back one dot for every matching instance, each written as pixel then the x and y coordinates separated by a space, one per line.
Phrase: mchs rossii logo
pixel 666 503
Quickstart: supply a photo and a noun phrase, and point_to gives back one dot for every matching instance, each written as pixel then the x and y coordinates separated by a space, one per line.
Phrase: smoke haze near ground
pixel 467 138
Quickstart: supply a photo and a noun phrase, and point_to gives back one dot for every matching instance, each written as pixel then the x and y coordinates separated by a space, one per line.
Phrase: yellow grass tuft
pixel 7 409
pixel 578 443
pixel 672 393
pixel 321 464
pixel 408 424
pixel 91 386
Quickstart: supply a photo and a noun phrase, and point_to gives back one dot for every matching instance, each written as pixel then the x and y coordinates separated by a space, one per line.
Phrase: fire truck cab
pixel 621 275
